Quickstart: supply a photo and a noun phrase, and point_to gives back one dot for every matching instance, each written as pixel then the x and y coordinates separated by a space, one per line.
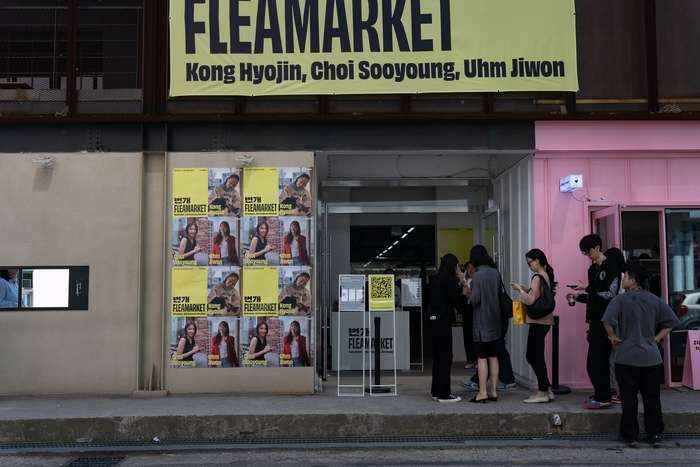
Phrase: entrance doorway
pixel 356 237
pixel 665 241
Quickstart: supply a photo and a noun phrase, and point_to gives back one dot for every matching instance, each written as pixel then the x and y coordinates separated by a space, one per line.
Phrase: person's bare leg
pixel 493 370
pixel 483 371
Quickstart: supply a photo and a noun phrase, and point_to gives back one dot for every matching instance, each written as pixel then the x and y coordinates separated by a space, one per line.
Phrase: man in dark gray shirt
pixel 631 320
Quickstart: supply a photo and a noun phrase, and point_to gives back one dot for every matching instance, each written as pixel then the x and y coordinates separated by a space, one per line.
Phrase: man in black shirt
pixel 603 285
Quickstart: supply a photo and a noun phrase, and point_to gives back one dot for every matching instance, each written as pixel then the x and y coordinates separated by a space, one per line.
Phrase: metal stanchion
pixel 377 359
pixel 556 389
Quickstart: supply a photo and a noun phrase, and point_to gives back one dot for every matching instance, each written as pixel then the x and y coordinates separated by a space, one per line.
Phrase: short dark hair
pixel 590 241
pixel 638 273
pixel 616 256
pixel 389 271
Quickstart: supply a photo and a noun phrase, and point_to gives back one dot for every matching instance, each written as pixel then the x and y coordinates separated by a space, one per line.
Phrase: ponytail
pixel 550 272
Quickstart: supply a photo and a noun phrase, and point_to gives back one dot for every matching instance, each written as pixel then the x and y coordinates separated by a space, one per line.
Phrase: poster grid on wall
pixel 241 270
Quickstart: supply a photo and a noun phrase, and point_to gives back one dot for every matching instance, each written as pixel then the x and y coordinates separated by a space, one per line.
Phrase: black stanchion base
pixel 561 390
pixel 379 390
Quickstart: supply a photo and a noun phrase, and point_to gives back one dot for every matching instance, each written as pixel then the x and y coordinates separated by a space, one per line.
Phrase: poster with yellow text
pixel 189 289
pixel 260 191
pixel 190 192
pixel 260 291
pixel 456 240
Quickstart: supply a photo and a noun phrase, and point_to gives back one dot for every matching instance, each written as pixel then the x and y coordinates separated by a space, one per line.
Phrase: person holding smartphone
pixel 538 328
pixel 603 285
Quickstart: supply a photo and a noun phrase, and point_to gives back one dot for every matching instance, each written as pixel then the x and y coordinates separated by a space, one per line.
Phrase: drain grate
pixel 95 462
pixel 233 443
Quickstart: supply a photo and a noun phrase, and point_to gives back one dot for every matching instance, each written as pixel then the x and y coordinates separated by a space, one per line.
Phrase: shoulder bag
pixel 544 305
pixel 505 303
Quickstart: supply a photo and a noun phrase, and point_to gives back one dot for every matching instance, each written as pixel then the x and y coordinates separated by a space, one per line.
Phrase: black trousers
pixel 440 332
pixel 535 354
pixel 646 380
pixel 598 361
pixel 467 333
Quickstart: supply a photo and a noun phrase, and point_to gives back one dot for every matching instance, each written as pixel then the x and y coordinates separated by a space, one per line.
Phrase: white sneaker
pixel 536 400
pixel 470 365
pixel 450 399
pixel 550 395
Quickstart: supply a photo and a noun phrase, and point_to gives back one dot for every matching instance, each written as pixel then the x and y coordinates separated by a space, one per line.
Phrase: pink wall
pixel 641 164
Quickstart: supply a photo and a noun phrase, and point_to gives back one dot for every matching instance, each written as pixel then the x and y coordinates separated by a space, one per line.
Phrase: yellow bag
pixel 518 313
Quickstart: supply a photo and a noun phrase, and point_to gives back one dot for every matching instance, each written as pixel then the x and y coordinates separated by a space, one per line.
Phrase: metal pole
pixel 556 389
pixel 377 359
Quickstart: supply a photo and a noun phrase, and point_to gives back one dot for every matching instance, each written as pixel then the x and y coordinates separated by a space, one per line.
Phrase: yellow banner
pixel 260 190
pixel 293 47
pixel 190 192
pixel 260 291
pixel 189 288
pixel 381 292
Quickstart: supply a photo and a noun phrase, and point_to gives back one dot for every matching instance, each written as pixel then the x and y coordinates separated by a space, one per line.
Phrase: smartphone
pixel 572 286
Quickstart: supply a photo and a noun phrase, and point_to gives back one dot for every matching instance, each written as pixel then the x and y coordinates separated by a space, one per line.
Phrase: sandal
pixel 480 401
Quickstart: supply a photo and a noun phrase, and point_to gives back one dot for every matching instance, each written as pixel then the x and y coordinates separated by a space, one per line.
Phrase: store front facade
pixel 641 194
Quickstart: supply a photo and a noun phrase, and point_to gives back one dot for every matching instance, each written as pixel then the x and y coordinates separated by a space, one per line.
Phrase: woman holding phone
pixel 538 264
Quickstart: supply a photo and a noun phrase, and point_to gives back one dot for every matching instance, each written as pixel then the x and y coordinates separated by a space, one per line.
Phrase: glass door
pixel 607 224
pixel 683 260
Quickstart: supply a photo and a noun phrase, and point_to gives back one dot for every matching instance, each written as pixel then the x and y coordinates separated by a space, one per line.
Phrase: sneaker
pixel 470 385
pixel 550 395
pixel 450 399
pixel 615 399
pixel 536 400
pixel 595 405
pixel 433 397
pixel 470 365
pixel 629 442
pixel 506 387
pixel 655 440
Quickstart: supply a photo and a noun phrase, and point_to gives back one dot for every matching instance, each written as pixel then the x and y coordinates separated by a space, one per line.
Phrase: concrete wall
pixel 83 210
pixel 108 211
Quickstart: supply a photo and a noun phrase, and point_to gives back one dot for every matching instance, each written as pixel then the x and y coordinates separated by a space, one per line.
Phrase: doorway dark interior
pixel 400 247
pixel 410 251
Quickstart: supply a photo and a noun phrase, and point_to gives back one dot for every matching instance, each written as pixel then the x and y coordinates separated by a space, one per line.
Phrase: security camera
pixel 45 161
pixel 245 160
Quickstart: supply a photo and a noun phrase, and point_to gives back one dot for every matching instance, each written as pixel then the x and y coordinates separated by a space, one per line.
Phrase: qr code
pixel 381 287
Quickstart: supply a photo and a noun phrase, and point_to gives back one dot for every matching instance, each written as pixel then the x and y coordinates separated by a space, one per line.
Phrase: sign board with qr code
pixel 381 292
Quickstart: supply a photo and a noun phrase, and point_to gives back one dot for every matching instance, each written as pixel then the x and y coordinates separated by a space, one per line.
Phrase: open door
pixel 491 224
pixel 607 223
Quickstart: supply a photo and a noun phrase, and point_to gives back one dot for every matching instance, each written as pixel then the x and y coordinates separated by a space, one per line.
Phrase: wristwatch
pixel 612 337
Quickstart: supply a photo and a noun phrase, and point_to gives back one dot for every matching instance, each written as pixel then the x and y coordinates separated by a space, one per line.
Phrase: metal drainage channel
pixel 242 443
pixel 95 462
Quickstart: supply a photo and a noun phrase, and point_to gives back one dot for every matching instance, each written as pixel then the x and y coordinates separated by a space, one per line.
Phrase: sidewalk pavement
pixel 323 414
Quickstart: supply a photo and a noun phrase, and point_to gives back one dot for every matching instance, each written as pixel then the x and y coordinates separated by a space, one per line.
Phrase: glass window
pixel 44 287
pixel 683 247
